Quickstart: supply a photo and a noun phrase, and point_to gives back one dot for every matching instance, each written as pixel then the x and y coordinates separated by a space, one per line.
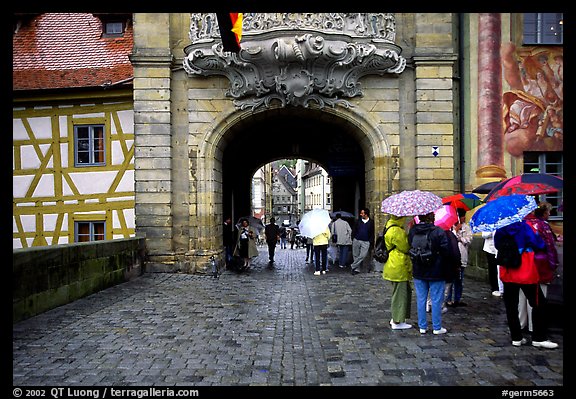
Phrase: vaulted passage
pixel 293 133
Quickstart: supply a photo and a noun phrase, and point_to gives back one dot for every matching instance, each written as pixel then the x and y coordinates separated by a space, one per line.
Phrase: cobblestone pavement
pixel 275 327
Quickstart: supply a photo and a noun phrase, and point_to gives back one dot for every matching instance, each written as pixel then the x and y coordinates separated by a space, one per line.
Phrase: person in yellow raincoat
pixel 398 270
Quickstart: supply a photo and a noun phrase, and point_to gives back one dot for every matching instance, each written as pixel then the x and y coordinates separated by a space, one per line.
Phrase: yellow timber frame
pixel 110 205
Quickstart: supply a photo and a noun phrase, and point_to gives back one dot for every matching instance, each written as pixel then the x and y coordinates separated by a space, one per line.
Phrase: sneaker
pixel 440 331
pixel 496 293
pixel 523 341
pixel 324 271
pixel 545 344
pixel 444 309
pixel 422 331
pixel 400 326
pixel 316 273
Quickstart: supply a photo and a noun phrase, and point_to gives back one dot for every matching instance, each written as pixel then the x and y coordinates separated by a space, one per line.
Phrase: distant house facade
pixel 73 128
pixel 284 196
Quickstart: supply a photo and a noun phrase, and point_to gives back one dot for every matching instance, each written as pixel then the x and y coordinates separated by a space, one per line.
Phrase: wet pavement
pixel 273 326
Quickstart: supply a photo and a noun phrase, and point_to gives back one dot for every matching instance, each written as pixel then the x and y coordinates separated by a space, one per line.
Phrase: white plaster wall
pixel 126 121
pixel 93 182
pixel 41 126
pixel 127 181
pixel 20 185
pixel 45 187
pixel 18 130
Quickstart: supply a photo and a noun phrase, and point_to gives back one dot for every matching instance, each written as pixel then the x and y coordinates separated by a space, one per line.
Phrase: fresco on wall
pixel 533 105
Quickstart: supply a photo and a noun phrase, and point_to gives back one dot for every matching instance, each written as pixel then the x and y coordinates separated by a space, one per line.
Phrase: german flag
pixel 230 30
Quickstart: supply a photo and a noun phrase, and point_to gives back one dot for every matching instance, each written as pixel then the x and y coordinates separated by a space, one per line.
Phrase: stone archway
pixel 354 151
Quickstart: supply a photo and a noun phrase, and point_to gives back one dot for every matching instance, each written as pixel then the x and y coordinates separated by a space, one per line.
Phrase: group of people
pixel 358 238
pixel 438 277
pixel 439 282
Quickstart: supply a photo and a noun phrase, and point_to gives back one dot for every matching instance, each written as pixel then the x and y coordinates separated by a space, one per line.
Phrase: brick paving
pixel 278 326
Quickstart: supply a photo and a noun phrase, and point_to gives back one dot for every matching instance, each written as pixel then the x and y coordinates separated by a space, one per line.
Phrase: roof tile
pixel 67 50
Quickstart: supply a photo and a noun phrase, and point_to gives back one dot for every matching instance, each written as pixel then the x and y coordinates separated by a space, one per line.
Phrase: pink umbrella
pixel 444 217
pixel 411 203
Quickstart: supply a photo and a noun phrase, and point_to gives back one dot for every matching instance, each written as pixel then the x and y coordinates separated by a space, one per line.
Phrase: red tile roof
pixel 67 50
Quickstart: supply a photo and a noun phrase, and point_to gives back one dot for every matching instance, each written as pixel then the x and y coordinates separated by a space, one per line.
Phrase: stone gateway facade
pixel 377 99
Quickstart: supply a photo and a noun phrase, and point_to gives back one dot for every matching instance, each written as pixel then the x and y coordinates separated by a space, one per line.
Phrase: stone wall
pixel 47 277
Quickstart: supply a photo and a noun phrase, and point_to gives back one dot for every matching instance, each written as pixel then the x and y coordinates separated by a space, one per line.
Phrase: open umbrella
pixel 444 217
pixel 464 201
pixel 314 222
pixel 486 187
pixel 543 178
pixel 252 221
pixel 501 212
pixel 522 189
pixel 343 215
pixel 411 203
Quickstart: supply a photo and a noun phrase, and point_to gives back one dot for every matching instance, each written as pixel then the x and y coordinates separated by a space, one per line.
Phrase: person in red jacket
pixel 525 278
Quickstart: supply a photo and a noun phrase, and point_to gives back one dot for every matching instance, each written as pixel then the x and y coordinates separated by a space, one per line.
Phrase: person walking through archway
pixel 272 233
pixel 362 240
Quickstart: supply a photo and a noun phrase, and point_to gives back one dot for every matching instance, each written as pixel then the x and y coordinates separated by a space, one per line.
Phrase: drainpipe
pixel 461 125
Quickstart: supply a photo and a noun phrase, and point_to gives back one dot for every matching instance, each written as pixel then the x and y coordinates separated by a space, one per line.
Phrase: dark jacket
pixel 369 226
pixel 455 260
pixel 272 232
pixel 440 270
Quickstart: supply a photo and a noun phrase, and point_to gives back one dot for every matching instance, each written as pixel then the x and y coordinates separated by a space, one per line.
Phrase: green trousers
pixel 401 300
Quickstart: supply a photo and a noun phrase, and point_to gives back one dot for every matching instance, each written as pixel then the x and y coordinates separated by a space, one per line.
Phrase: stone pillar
pixel 434 60
pixel 152 61
pixel 490 131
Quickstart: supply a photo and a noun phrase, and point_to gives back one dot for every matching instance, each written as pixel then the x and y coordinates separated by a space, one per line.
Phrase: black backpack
pixel 381 253
pixel 508 253
pixel 421 249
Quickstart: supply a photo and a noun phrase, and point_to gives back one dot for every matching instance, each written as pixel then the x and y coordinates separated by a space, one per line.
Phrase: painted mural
pixel 533 105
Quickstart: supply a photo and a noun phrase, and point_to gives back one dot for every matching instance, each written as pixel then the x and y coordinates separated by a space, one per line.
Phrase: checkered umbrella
pixel 411 203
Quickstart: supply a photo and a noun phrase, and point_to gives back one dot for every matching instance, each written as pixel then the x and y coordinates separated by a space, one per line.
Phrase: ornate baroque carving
pixel 296 58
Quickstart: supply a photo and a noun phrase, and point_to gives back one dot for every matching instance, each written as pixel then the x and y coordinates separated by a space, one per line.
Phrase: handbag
pixel 334 238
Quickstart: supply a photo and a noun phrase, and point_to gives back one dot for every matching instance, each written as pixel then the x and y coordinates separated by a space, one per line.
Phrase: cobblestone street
pixel 275 327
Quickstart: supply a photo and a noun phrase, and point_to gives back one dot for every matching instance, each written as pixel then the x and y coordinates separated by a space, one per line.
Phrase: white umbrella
pixel 314 222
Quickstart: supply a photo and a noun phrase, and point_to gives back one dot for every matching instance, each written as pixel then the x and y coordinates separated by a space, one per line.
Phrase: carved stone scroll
pixel 296 59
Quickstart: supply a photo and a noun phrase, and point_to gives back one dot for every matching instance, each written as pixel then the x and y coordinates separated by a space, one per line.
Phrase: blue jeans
pixel 343 251
pixel 456 285
pixel 436 289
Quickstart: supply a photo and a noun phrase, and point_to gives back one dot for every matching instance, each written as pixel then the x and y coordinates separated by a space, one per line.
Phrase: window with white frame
pixel 89 145
pixel 87 230
pixel 552 163
pixel 543 28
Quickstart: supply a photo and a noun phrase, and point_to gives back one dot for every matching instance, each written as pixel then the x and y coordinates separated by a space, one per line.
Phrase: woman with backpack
pixel 523 277
pixel 398 270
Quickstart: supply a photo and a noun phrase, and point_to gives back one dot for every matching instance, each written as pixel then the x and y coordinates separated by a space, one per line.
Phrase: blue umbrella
pixel 501 212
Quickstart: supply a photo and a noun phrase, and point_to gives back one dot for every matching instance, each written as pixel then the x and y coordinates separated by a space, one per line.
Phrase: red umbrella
pixel 521 188
pixel 444 217
pixel 544 178
pixel 464 201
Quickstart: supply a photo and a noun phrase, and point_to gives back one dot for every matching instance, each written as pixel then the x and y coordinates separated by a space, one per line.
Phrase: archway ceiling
pixel 270 136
